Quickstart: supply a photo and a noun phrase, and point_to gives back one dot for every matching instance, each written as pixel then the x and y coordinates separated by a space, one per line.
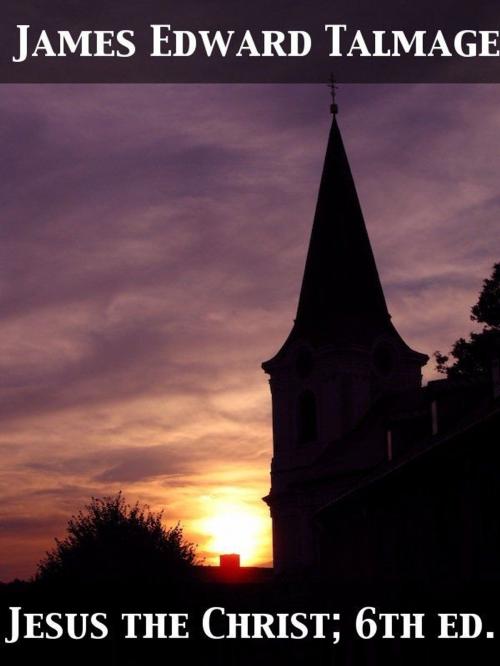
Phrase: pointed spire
pixel 341 299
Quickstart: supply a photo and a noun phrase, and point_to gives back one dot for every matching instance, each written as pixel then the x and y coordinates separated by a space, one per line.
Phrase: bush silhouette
pixel 111 541
pixel 473 356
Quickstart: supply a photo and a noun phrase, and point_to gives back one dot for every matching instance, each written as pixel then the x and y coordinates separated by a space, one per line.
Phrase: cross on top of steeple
pixel 333 91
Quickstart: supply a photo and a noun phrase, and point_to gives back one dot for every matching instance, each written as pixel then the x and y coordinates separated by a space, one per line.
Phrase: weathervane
pixel 333 90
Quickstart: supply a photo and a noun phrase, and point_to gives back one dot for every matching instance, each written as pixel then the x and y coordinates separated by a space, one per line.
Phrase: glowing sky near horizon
pixel 153 242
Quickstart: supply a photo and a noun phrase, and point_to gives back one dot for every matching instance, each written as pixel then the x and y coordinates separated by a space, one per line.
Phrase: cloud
pixel 129 464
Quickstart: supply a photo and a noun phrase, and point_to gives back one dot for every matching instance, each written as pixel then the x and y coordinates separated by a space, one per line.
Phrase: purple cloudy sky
pixel 153 241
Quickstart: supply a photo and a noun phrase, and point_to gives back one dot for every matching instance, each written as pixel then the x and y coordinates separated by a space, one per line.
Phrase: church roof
pixel 341 299
pixel 478 430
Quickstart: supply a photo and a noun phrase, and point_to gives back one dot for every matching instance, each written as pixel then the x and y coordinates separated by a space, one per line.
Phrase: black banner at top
pixel 230 41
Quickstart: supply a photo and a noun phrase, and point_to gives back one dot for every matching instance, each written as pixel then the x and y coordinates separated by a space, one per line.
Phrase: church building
pixel 372 473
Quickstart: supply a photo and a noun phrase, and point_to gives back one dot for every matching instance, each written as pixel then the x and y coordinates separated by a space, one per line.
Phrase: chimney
pixel 389 445
pixel 229 562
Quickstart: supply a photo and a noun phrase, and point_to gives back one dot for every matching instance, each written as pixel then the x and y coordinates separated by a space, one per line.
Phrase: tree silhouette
pixel 474 356
pixel 111 541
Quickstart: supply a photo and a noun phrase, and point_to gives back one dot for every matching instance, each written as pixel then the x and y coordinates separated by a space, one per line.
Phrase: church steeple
pixel 341 299
pixel 341 303
pixel 341 358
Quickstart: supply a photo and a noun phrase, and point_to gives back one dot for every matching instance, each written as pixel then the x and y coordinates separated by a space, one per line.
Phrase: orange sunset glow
pixel 237 529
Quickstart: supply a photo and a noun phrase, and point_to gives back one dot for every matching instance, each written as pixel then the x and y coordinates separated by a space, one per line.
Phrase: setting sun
pixel 235 529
